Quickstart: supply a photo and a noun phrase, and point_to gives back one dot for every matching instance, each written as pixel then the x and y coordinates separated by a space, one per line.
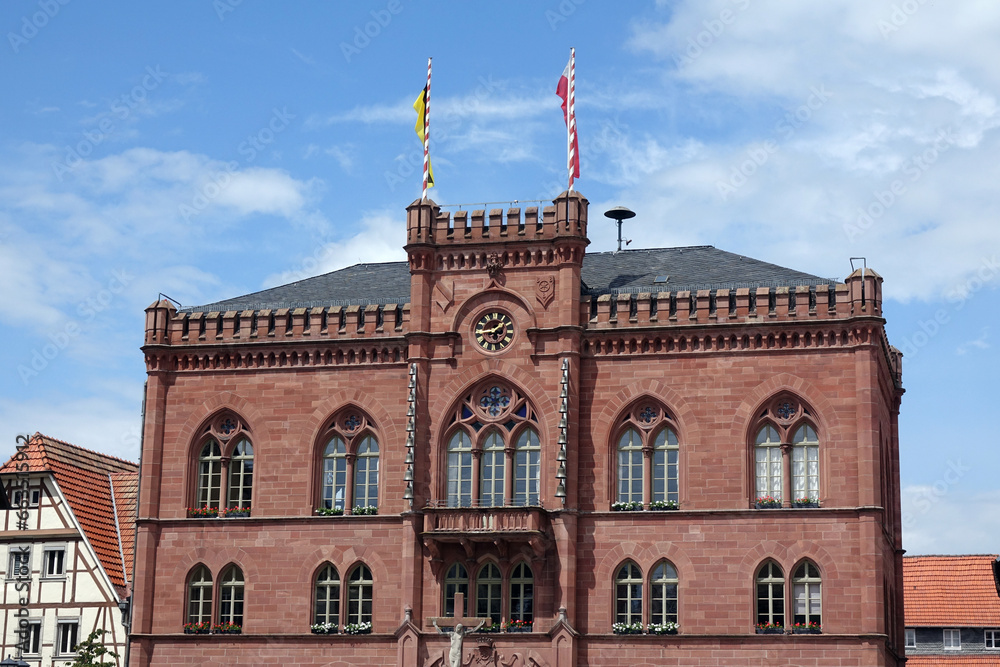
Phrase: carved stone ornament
pixel 545 290
pixel 494 267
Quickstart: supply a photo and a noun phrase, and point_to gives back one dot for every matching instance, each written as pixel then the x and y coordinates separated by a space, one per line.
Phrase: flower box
pixel 237 513
pixel 358 628
pixel 197 628
pixel 514 625
pixel 768 503
pixel 805 502
pixel 627 628
pixel 324 629
pixel 807 631
pixel 630 506
pixel 768 629
pixel 663 506
pixel 203 512
pixel 227 629
pixel 662 629
pixel 330 511
pixel 358 510
pixel 491 628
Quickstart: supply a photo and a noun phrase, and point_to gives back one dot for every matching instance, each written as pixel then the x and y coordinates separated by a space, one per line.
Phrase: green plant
pixel 203 512
pixel 324 629
pixel 663 505
pixel 227 628
pixel 358 628
pixel 358 509
pixel 768 502
pixel 627 628
pixel 662 628
pixel 198 628
pixel 330 511
pixel 90 652
pixel 627 506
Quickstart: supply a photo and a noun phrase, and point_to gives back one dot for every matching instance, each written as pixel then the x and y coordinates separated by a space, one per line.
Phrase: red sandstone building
pixel 582 445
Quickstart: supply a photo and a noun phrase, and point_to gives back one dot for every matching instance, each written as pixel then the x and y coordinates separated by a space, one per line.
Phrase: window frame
pixel 236 589
pixel 665 616
pixel 456 580
pixel 952 633
pixel 525 598
pixel 808 582
pixel 459 469
pixel 771 581
pixel 48 553
pixel 492 460
pixel 991 636
pixel 633 582
pixel 494 594
pixel 331 599
pixel 527 467
pixel 333 466
pixel 60 639
pixel 16 551
pixel 241 474
pixel 33 638
pixel 202 602
pixel 362 585
pixel 369 471
pixel 908 634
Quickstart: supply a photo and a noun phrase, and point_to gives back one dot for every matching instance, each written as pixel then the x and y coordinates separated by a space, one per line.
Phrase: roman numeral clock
pixel 494 331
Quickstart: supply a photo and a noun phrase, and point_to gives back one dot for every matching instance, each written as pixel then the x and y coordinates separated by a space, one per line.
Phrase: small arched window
pixel 349 465
pixel 209 475
pixel 489 587
pixel 231 596
pixel 663 594
pixel 770 595
pixel 327 607
pixel 807 594
pixel 460 470
pixel 456 581
pixel 522 593
pixel 527 468
pixel 648 453
pixel 200 596
pixel 360 588
pixel 665 452
pixel 767 458
pixel 366 473
pixel 630 467
pixel 628 594
pixel 491 475
pixel 241 475
pixel 334 474
pixel 805 465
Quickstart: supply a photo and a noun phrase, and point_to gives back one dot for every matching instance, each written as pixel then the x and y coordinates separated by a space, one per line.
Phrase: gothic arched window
pixel 200 596
pixel 327 597
pixel 493 449
pixel 770 595
pixel 786 456
pixel 663 594
pixel 647 457
pixel 224 467
pixel 231 596
pixel 349 463
pixel 628 594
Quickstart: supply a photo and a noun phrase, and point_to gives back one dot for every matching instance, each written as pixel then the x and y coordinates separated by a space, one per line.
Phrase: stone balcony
pixel 504 527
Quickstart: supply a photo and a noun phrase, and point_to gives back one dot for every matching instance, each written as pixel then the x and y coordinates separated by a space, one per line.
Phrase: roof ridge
pixel 994 556
pixel 102 455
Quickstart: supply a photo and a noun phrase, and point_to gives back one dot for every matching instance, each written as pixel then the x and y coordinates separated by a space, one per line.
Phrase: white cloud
pixel 849 115
pixel 381 239
pixel 980 343
pixel 941 519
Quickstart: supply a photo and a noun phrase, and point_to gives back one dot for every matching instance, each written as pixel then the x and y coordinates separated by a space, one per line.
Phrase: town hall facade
pixel 668 456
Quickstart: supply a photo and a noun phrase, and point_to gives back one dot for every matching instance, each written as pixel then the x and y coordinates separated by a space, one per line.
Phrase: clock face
pixel 494 331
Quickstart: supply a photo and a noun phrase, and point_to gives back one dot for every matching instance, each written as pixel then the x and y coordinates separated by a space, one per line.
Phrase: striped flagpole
pixel 427 129
pixel 571 117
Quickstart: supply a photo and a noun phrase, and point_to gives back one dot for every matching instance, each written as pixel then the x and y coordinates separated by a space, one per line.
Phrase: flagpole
pixel 427 129
pixel 571 115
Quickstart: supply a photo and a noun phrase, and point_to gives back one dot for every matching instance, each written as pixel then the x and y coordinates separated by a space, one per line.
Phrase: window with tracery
pixel 786 454
pixel 225 465
pixel 648 453
pixel 349 464
pixel 493 450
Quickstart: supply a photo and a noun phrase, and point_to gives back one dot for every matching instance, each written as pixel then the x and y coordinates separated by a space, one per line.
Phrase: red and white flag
pixel 567 91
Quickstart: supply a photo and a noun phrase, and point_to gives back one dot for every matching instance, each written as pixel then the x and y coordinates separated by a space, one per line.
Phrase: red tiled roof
pixel 942 591
pixel 952 660
pixel 85 479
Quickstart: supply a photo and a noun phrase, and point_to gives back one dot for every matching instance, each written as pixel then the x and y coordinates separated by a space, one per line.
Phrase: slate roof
pixel 950 591
pixel 88 480
pixel 693 267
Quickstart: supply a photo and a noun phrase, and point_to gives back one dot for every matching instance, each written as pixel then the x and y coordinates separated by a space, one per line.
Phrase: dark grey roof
pixel 652 270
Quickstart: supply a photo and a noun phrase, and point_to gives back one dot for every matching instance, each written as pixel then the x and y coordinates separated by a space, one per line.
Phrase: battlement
pixel 427 223
pixel 165 326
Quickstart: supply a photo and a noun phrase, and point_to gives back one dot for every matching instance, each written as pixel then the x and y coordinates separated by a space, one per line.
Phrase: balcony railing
pixel 440 519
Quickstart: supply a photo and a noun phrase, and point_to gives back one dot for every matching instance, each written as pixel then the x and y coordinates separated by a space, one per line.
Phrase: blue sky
pixel 211 149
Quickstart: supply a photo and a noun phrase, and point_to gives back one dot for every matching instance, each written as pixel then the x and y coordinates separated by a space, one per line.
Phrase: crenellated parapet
pixel 166 326
pixel 426 223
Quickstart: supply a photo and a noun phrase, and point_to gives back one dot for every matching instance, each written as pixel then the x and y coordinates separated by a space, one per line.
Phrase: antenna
pixel 620 214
